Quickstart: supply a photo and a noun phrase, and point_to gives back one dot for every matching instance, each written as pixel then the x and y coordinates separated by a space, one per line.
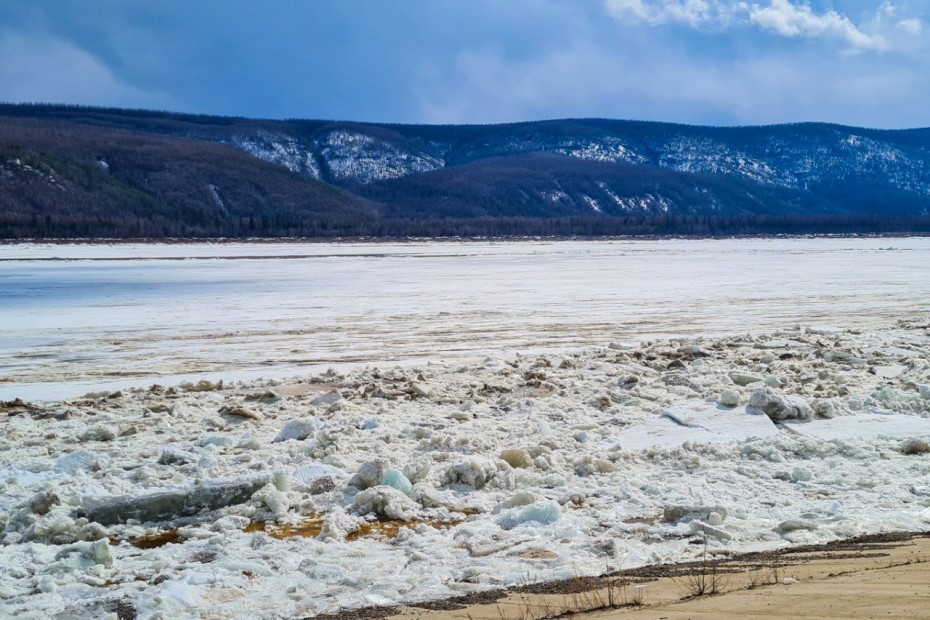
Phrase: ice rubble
pixel 616 456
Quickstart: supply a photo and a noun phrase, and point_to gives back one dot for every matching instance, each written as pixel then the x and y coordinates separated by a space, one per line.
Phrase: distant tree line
pixel 63 226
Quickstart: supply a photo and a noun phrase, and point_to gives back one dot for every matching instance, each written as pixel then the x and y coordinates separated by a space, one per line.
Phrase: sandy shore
pixel 864 578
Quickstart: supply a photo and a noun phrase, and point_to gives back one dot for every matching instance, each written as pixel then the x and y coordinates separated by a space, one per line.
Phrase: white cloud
pixel 911 26
pixel 695 13
pixel 584 80
pixel 41 68
pixel 793 20
pixel 786 18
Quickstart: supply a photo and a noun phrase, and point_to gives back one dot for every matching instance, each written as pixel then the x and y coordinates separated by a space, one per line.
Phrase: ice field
pixel 441 419
pixel 105 316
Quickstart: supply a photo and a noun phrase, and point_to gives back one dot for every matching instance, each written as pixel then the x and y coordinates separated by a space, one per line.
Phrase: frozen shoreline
pixel 613 456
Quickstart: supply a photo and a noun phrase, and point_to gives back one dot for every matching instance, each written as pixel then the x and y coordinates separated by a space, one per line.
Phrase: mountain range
pixel 70 171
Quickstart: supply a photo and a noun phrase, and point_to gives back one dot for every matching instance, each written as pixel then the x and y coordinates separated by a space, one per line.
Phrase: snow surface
pixel 581 496
pixel 182 312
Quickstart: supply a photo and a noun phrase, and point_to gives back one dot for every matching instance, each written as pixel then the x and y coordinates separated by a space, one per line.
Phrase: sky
pixel 710 62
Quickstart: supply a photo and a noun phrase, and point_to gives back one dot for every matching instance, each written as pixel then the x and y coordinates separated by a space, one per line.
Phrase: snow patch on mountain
pixel 215 193
pixel 591 202
pixel 607 149
pixel 876 157
pixel 281 149
pixel 647 203
pixel 555 195
pixel 606 189
pixel 18 169
pixel 355 156
pixel 705 156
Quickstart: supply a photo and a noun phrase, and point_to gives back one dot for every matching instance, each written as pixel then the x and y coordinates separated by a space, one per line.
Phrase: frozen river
pixel 80 317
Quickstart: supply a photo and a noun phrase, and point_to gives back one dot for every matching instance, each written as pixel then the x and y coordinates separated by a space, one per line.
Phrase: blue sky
pixel 722 62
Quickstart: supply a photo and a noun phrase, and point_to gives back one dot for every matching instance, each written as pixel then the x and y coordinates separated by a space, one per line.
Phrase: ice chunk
pixel 740 378
pixel 337 524
pixel 866 426
pixel 699 422
pixel 843 357
pixel 369 474
pixel 544 511
pixel 99 432
pixel 474 471
pixel 175 456
pixel 792 525
pixel 79 461
pixel 778 407
pixel 681 512
pixel 298 429
pixel 421 390
pixel 249 442
pixel 430 497
pixel 56 526
pixel 89 553
pixel 699 527
pixel 270 496
pixel 308 474
pixel 370 424
pixel 184 593
pixel 216 440
pixel 915 446
pixel 730 398
pixel 327 399
pixel 385 501
pixel 890 371
pixel 417 469
pixel 42 502
pixel 523 498
pixel 397 480
pixel 517 458
pixel 165 505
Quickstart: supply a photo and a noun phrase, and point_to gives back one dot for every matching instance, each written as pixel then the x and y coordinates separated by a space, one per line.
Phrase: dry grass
pixel 707 578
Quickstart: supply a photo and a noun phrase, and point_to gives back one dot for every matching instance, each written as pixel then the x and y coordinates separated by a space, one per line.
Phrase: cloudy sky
pixel 724 62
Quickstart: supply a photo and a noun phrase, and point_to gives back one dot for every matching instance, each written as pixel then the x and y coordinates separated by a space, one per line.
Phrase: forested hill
pixel 89 172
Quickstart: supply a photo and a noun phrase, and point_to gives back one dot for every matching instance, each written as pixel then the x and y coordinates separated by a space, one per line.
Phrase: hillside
pixel 75 172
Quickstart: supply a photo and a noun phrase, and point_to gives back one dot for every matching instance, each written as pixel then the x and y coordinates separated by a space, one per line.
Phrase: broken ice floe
pixel 557 466
pixel 697 422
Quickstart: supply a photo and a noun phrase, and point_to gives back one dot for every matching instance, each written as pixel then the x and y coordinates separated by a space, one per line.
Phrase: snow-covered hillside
pixel 591 168
pixel 779 157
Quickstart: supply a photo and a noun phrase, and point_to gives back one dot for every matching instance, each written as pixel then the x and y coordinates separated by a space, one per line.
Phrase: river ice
pixel 530 452
pixel 76 318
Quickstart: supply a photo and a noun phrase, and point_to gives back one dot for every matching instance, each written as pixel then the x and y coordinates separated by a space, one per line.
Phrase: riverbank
pixel 871 577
